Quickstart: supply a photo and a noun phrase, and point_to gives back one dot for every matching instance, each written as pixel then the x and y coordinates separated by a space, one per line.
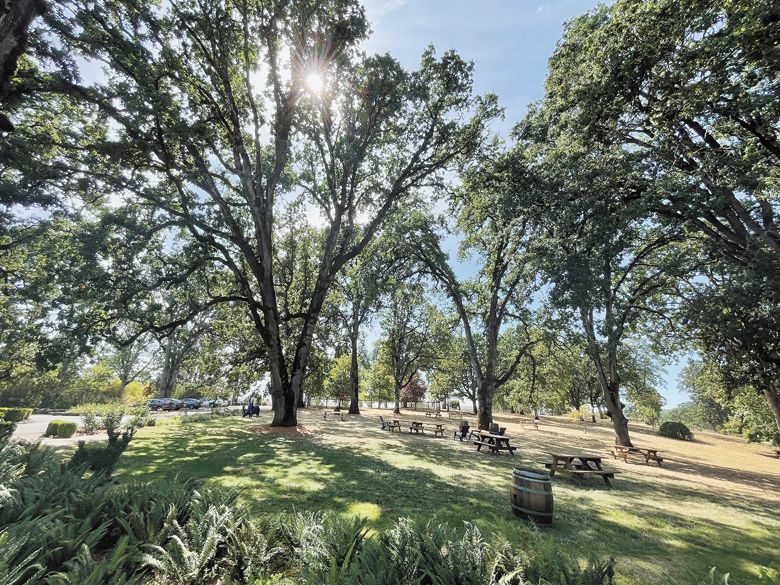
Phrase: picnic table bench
pixel 436 413
pixel 622 452
pixel 337 413
pixel 493 442
pixel 525 422
pixel 579 465
pixel 390 425
pixel 454 414
pixel 418 427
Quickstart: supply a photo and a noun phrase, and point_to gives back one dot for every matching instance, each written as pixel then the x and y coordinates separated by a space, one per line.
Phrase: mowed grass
pixel 714 503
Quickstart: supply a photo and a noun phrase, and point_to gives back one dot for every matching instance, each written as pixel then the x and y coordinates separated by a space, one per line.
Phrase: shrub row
pixel 216 412
pixel 15 414
pixel 61 429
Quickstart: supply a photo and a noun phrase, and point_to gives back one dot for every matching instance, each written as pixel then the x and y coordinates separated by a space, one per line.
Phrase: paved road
pixel 34 427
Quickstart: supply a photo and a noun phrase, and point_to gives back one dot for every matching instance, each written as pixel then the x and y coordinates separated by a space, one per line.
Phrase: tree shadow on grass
pixel 354 467
pixel 281 473
pixel 676 547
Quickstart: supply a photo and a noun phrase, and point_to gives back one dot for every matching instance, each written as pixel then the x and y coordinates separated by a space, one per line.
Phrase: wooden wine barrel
pixel 531 496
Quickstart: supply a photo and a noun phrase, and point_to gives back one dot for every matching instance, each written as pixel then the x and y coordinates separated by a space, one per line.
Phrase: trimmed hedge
pixel 15 414
pixel 675 430
pixel 6 429
pixel 61 429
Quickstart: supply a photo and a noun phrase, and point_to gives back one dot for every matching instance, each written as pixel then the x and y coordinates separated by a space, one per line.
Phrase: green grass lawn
pixel 666 525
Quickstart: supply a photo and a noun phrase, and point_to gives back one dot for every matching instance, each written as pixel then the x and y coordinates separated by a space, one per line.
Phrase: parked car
pixel 156 404
pixel 163 404
pixel 191 402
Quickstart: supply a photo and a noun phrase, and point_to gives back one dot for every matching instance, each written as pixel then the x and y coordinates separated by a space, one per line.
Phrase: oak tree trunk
pixel 284 406
pixel 773 399
pixel 283 398
pixel 354 386
pixel 615 412
pixel 485 393
pixel 397 409
pixel 15 18
pixel 170 369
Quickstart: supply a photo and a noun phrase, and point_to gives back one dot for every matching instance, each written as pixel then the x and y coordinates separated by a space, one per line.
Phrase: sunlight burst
pixel 314 82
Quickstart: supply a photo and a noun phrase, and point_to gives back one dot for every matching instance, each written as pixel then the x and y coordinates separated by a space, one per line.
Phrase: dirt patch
pixel 299 431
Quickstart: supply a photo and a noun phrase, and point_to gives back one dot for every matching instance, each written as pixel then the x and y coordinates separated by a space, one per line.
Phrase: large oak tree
pixel 203 118
pixel 691 89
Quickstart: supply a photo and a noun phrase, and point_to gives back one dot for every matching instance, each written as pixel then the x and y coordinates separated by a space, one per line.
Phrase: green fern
pixel 15 568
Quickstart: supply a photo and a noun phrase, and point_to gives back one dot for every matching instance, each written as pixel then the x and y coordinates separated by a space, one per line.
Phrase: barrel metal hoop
pixel 531 512
pixel 532 475
pixel 531 490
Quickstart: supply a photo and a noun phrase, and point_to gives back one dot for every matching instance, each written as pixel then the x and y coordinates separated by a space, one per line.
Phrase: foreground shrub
pixel 90 421
pixel 112 418
pixel 141 417
pixel 15 414
pixel 62 429
pixel 7 429
pixel 98 457
pixel 102 457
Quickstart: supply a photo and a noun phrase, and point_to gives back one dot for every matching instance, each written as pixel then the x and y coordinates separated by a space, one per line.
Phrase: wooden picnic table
pixel 579 465
pixel 454 414
pixel 394 424
pixel 336 413
pixel 418 427
pixel 494 442
pixel 433 413
pixel 622 452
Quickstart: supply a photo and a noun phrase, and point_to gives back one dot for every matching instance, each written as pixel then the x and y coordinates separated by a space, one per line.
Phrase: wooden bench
pixel 578 473
pixel 339 415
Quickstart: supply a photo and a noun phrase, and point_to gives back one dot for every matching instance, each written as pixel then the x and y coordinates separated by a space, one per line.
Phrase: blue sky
pixel 509 42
